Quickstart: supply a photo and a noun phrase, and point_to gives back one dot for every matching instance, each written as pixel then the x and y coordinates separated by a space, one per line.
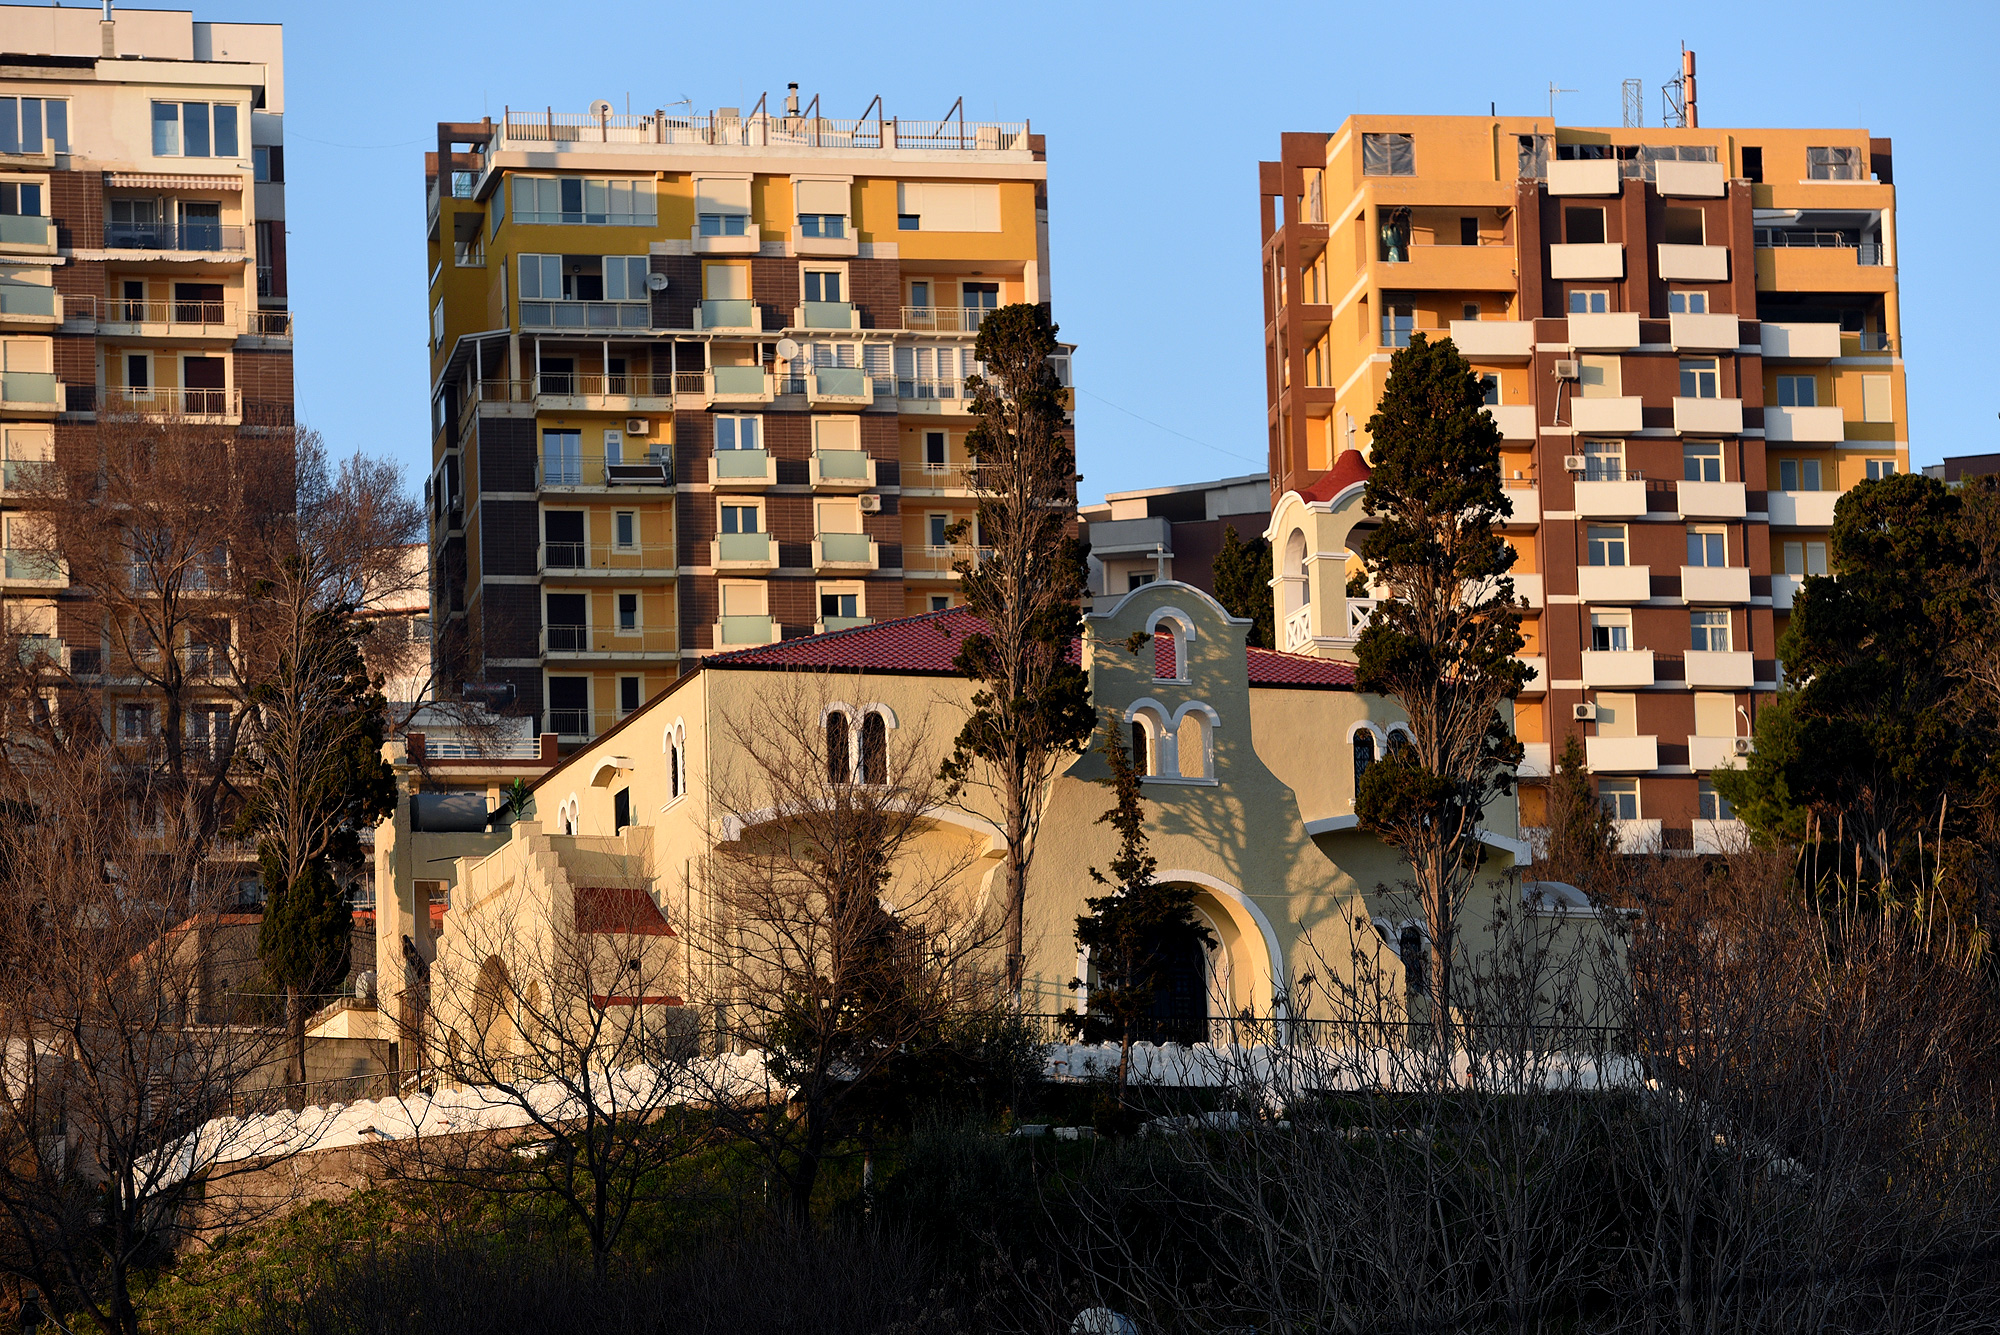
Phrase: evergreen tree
pixel 1134 932
pixel 1242 578
pixel 1443 642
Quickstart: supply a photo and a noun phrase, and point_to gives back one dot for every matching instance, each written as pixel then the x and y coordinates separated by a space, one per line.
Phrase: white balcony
pixel 1708 417
pixel 825 315
pixel 1707 754
pixel 1711 500
pixel 839 387
pixel 1515 420
pixel 1800 342
pixel 1618 416
pixel 1729 670
pixel 1715 584
pixel 1637 836
pixel 738 385
pixel 738 631
pixel 1689 180
pixel 743 470
pixel 845 551
pixel 1694 264
pixel 1801 509
pixel 1719 838
pixel 732 314
pixel 1704 333
pixel 1528 588
pixel 1820 425
pixel 748 243
pixel 743 551
pixel 1601 260
pixel 1536 762
pixel 1539 683
pixel 1622 755
pixel 1527 503
pixel 1494 340
pixel 1595 176
pixel 1785 590
pixel 1617 668
pixel 1614 584
pixel 842 470
pixel 1600 499
pixel 1613 330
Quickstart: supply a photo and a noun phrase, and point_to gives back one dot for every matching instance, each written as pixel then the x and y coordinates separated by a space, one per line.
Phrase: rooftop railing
pixel 760 130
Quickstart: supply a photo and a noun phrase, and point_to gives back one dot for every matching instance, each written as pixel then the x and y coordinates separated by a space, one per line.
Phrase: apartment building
pixel 699 383
pixel 1169 533
pixel 142 260
pixel 1690 339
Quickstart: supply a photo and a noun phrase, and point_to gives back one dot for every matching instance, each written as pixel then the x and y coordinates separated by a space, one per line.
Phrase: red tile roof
pixel 927 644
pixel 1347 470
pixel 620 910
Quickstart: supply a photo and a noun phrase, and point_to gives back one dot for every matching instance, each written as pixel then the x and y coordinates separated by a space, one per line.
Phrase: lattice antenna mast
pixel 1635 103
pixel 1677 104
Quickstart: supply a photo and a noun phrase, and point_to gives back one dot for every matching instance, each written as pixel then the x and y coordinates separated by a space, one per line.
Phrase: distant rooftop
pixel 727 128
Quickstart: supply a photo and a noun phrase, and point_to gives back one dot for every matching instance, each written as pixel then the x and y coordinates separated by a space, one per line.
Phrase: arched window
pixel 677 763
pixel 1166 661
pixel 1416 959
pixel 874 749
pixel 1298 591
pixel 1142 750
pixel 839 764
pixel 1364 754
pixel 1399 743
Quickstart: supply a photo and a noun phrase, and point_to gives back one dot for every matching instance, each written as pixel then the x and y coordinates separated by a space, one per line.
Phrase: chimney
pixel 108 32
pixel 791 96
pixel 1687 87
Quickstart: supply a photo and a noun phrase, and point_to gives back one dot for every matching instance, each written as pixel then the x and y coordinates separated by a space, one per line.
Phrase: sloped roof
pixel 927 644
pixel 620 910
pixel 1347 470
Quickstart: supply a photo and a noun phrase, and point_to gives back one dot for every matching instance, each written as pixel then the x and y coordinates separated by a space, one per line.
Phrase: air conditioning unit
pixel 1743 745
pixel 871 505
pixel 1575 463
pixel 1569 370
pixel 638 426
pixel 1584 713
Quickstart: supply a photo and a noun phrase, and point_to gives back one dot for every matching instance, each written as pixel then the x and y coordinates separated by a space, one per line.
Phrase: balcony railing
pixel 928 387
pixel 945 319
pixel 760 130
pixel 573 639
pixel 1786 238
pixel 190 318
pixel 206 237
pixel 607 558
pixel 20 229
pixel 26 387
pixel 940 477
pixel 27 299
pixel 173 401
pixel 31 565
pixel 571 384
pixel 569 722
pixel 585 314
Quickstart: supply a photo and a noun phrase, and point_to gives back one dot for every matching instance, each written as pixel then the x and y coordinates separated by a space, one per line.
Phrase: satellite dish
pixel 656 281
pixel 600 108
pixel 788 348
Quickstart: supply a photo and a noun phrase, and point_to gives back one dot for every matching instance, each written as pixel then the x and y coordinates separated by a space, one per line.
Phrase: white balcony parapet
pixel 1690 180
pixel 1711 500
pixel 1609 330
pixel 1600 498
pixel 1622 755
pixel 1818 425
pixel 1694 264
pixel 1536 762
pixel 1598 260
pixel 1720 838
pixel 1785 590
pixel 1528 588
pixel 1539 683
pixel 1800 342
pixel 1706 754
pixel 1617 668
pixel 1491 340
pixel 1620 416
pixel 1715 584
pixel 1704 333
pixel 1527 503
pixel 1801 509
pixel 1637 836
pixel 1594 176
pixel 1730 669
pixel 1515 420
pixel 1722 417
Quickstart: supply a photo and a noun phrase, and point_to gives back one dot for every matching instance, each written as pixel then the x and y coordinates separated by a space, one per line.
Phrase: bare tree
pixel 842 931
pixel 1031 712
pixel 122 1066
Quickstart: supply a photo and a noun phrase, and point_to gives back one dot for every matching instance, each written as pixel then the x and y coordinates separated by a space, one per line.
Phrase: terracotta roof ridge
pixel 847 632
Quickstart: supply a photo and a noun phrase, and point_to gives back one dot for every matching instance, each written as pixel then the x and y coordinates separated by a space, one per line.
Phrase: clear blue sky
pixel 1156 117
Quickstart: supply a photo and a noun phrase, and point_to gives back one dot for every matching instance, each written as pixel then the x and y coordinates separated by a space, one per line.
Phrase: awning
pixel 150 181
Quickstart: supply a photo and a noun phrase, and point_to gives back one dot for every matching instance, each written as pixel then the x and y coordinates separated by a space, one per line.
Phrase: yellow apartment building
pixel 698 383
pixel 1691 342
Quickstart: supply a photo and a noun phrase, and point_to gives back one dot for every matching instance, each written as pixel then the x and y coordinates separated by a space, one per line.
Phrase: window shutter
pixel 837 433
pixel 823 196
pixel 720 194
pixel 910 197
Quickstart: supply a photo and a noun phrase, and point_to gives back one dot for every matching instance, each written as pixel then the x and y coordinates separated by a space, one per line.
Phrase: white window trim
pixel 638 613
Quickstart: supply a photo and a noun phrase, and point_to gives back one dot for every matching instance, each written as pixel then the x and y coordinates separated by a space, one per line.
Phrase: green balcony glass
pixel 848 465
pixel 844 623
pixel 19 474
pixel 827 314
pixel 734 313
pixel 19 230
pixel 844 548
pixel 739 380
pixel 742 463
pixel 29 565
pixel 27 299
pixel 746 630
pixel 27 387
pixel 848 382
pixel 743 547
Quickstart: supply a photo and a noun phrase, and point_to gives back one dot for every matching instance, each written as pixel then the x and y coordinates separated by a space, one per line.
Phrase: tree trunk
pixel 295 1024
pixel 1017 885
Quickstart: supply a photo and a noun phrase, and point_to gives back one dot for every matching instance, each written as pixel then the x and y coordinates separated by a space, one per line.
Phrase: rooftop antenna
pixel 1635 104
pixel 1553 90
pixel 1677 109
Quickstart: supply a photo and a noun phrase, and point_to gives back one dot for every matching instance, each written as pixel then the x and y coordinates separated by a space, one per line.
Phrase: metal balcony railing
pixel 585 314
pixel 569 722
pixel 174 401
pixel 928 387
pixel 944 319
pixel 575 384
pixel 563 639
pixel 1786 238
pixel 760 130
pixel 207 237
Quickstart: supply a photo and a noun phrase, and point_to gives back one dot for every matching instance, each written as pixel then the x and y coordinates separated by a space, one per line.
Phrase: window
pixel 1708 630
pixel 677 763
pixel 1833 164
pixel 1399 320
pixel 1489 387
pixel 938 526
pixel 1589 302
pixel 909 222
pixel 920 293
pixel 138 371
pixel 1388 155
pixel 1805 558
pixel 621 801
pixel 628 694
pixel 1708 547
pixel 1682 302
pixel 1753 164
pixel 725 224
pixel 822 284
pixel 839 768
pixel 1701 461
pixel 979 296
pixel 34 125
pixel 1364 755
pixel 1684 226
pixel 1468 231
pixel 1619 798
pixel 1700 379
pixel 1467 310
pixel 1583 226
pixel 1137 579
pixel 135 722
pixel 268 162
pixel 825 226
pixel 1712 805
pixel 23 199
pixel 562 540
pixel 739 519
pixel 1191 745
pixel 1881 468
pixel 587 200
pixel 1610 632
pixel 738 433
pixel 1606 544
pixel 874 749
pixel 194 130
pixel 1416 959
pixel 839 605
pixel 1142 751
pixel 625 530
pixel 1798 475
pixel 934 443
pixel 628 613
pixel 1603 461
pixel 1798 391
pixel 624 278
pixel 940 602
pixel 562 458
